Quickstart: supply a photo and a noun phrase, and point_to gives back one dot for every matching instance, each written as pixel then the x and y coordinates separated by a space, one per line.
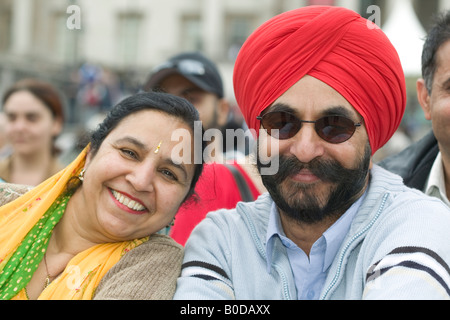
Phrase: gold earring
pixel 157 148
pixel 81 175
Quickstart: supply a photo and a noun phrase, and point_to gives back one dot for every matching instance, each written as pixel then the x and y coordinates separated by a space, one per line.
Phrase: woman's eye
pixel 169 174
pixel 32 118
pixel 129 153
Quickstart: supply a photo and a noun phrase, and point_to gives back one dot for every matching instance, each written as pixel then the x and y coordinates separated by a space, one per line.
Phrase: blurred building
pixel 125 39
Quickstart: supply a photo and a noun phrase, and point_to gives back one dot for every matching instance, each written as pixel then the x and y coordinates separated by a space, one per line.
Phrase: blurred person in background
pixel 196 78
pixel 35 118
pixel 425 165
pixel 4 145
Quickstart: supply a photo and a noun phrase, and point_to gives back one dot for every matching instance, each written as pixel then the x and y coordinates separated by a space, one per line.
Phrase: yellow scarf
pixel 84 272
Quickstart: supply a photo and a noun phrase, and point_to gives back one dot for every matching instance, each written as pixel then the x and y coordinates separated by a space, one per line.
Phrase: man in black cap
pixel 195 78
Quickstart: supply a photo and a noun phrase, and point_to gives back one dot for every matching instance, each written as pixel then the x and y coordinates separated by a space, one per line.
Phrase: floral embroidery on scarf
pixel 133 244
pixel 84 283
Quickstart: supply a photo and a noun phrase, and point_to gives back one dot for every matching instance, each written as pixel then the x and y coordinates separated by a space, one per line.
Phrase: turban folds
pixel 334 45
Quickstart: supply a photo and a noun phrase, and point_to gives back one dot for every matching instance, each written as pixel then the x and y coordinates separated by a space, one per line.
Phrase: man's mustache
pixel 326 170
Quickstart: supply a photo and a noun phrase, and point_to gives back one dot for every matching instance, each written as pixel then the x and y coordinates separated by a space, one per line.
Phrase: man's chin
pixel 302 191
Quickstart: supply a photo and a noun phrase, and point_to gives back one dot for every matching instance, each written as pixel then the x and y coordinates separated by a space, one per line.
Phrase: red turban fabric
pixel 334 45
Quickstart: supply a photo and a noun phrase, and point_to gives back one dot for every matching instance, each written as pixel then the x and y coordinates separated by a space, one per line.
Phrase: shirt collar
pixel 436 182
pixel 334 236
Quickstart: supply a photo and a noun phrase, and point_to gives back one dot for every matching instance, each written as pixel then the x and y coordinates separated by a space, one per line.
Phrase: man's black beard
pixel 300 202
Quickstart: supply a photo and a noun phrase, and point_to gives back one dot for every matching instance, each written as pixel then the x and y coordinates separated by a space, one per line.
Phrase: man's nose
pixel 306 145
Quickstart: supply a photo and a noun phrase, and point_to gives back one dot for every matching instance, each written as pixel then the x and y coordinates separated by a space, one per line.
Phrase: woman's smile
pixel 128 203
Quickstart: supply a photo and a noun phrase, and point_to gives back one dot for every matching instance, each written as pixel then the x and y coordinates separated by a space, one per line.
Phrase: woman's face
pixel 30 126
pixel 132 188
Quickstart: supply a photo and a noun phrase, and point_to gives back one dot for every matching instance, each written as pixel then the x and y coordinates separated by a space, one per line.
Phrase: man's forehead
pixel 311 95
pixel 442 73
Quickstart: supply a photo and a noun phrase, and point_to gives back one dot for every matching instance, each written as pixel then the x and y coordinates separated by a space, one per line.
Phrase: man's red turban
pixel 334 45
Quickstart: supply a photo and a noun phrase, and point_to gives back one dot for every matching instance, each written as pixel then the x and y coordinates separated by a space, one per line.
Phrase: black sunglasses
pixel 332 129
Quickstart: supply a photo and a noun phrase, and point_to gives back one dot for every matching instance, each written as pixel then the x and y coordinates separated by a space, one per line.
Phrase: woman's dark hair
pixel 167 103
pixel 437 36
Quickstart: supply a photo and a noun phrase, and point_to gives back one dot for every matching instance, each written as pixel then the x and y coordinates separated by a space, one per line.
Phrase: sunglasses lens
pixel 281 125
pixel 335 129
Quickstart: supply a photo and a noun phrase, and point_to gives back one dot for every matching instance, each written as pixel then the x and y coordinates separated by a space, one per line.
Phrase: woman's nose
pixel 18 124
pixel 143 177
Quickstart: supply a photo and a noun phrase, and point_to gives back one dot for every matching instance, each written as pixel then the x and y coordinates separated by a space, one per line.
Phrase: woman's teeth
pixel 127 201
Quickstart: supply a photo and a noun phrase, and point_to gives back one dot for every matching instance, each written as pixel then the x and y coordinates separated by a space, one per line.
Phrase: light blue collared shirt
pixel 310 272
pixel 435 185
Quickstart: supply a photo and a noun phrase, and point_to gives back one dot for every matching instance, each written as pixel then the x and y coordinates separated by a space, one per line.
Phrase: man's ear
pixel 223 111
pixel 423 97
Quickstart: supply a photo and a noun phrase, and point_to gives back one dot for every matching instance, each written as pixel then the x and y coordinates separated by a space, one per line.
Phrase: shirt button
pixel 310 294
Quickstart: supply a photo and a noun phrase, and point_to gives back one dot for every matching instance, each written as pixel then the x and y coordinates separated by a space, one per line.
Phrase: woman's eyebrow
pixel 133 141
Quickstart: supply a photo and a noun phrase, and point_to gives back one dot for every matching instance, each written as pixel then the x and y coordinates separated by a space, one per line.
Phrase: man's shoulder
pixel 237 222
pixel 414 160
pixel 389 200
pixel 384 182
pixel 253 210
pixel 403 203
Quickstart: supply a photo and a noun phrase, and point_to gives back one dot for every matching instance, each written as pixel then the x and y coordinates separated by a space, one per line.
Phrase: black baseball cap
pixel 193 66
